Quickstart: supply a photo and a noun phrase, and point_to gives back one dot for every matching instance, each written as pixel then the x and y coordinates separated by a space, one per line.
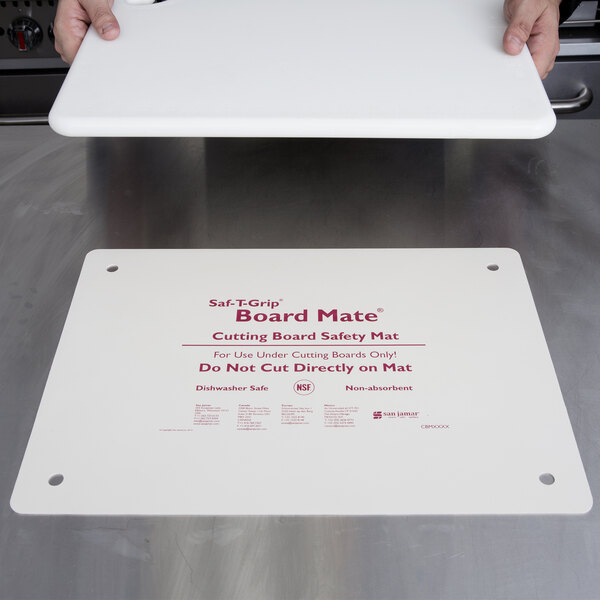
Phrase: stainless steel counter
pixel 60 198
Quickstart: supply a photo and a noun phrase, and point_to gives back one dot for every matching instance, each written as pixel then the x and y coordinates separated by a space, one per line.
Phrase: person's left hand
pixel 535 23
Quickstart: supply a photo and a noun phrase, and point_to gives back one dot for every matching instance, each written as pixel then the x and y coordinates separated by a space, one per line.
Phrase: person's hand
pixel 535 23
pixel 73 17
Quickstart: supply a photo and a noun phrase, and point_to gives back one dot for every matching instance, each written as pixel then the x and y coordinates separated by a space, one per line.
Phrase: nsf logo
pixel 304 387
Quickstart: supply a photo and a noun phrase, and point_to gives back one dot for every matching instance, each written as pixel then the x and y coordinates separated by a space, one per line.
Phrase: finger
pixel 70 27
pixel 102 18
pixel 544 64
pixel 544 43
pixel 521 22
pixel 544 56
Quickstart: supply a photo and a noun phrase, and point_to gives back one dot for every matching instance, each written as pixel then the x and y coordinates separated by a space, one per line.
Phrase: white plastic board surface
pixel 400 382
pixel 309 68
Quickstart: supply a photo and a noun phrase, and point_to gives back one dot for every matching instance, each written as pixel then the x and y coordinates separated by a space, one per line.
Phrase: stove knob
pixel 25 34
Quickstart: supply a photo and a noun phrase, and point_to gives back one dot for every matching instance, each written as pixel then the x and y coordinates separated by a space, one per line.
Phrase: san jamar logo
pixel 394 414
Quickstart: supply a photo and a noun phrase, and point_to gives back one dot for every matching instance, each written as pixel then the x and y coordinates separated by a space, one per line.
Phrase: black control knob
pixel 25 34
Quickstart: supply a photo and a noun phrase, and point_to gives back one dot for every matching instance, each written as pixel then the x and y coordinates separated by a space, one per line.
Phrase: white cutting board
pixel 429 391
pixel 304 68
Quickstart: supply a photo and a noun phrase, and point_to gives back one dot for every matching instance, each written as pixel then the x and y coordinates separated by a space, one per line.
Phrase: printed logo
pixel 304 387
pixel 395 414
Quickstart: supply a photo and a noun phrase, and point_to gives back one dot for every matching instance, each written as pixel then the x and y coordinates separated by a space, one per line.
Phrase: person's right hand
pixel 73 17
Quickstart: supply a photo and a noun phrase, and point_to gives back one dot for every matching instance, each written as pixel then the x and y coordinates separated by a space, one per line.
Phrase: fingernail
pixel 515 42
pixel 108 27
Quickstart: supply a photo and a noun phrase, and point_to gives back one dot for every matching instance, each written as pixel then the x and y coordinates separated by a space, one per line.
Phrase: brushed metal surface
pixel 61 197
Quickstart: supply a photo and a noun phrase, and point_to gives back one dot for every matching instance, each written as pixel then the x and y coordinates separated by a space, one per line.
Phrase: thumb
pixel 519 29
pixel 102 18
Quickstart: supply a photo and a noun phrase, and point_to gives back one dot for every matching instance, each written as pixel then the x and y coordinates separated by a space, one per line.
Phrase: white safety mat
pixel 309 382
pixel 304 68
